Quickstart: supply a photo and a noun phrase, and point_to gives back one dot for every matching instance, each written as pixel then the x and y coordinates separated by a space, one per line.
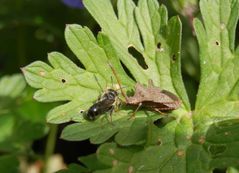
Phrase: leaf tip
pixel 23 70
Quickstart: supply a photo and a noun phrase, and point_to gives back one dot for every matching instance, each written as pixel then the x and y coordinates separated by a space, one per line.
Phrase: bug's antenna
pixel 98 83
pixel 118 80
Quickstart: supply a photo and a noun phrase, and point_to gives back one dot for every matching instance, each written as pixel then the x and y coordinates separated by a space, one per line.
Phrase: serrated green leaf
pixel 151 159
pixel 217 59
pixel 64 81
pixel 217 99
pixel 221 143
pixel 98 131
pixel 149 12
pixel 190 141
pixel 217 96
pixel 164 155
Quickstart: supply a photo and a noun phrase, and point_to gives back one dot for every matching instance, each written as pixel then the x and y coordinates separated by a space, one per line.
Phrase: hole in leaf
pixel 174 58
pixel 217 43
pixel 141 38
pixel 237 35
pixel 63 80
pixel 138 56
pixel 159 45
pixel 163 121
pixel 127 71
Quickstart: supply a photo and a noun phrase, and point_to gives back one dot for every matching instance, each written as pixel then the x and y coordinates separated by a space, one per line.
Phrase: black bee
pixel 106 103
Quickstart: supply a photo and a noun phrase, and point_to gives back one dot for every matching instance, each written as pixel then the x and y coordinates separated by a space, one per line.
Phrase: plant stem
pixel 50 145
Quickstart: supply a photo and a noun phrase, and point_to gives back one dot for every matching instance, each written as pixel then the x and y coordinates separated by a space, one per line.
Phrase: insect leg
pixel 133 114
pixel 117 104
pixel 111 112
pixel 118 81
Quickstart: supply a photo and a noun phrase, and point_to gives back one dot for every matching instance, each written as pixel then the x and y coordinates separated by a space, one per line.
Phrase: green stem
pixel 50 145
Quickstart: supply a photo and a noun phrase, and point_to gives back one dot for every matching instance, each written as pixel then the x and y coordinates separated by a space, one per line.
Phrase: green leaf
pixel 9 164
pixel 183 140
pixel 12 86
pixel 222 144
pixel 100 130
pixel 22 118
pixel 151 20
pixel 74 168
pixel 232 170
pixel 217 99
pixel 217 96
pixel 62 80
pixel 92 162
pixel 6 127
pixel 163 155
pixel 217 58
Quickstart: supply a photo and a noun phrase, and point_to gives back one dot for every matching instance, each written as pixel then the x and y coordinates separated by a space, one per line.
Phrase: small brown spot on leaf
pixel 130 169
pixel 42 73
pixel 111 151
pixel 180 153
pixel 217 43
pixel 174 58
pixel 114 162
pixel 201 140
pixel 159 45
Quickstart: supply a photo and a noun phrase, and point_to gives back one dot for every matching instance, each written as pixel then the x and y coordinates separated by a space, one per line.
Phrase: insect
pixel 103 105
pixel 153 98
pixel 150 97
pixel 106 103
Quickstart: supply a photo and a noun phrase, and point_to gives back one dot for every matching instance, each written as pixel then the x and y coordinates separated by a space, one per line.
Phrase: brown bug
pixel 150 97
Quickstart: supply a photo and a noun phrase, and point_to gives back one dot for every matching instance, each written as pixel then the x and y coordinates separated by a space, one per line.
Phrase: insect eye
pixel 111 95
